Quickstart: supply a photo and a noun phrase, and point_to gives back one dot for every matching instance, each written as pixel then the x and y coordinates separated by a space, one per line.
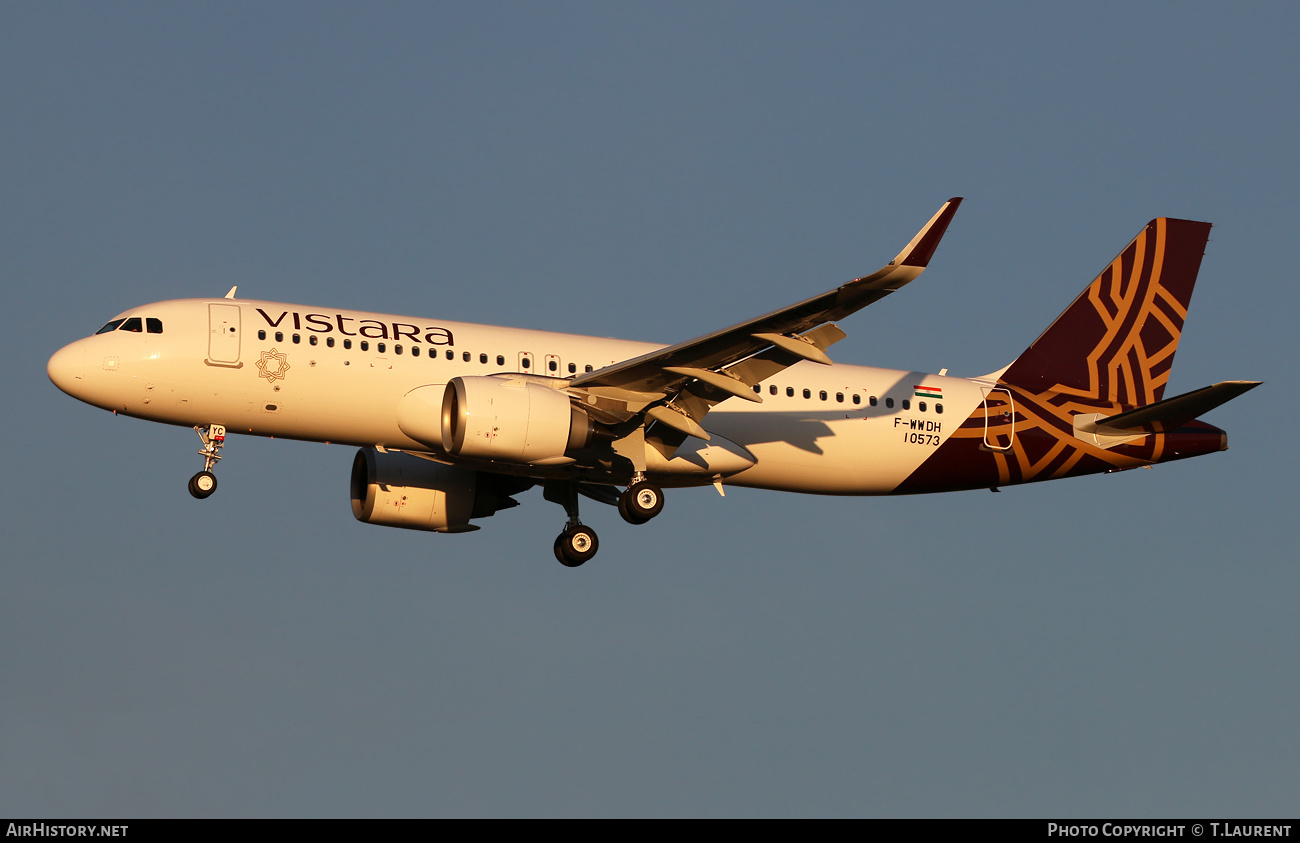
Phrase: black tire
pixel 629 517
pixel 641 502
pixel 576 546
pixel 203 484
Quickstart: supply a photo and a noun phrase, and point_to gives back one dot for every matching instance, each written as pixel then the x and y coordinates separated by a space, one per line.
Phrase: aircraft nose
pixel 67 368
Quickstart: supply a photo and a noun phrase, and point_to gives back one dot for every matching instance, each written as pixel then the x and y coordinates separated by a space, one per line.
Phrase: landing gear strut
pixel 213 437
pixel 578 542
pixel 642 501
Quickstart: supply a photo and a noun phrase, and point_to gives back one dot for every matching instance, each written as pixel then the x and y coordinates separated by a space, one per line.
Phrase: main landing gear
pixel 642 501
pixel 213 437
pixel 578 543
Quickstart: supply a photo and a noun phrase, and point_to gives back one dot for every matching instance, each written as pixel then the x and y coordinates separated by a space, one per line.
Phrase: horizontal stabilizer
pixel 1171 412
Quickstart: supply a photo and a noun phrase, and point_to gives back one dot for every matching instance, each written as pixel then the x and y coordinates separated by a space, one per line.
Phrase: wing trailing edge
pixel 652 373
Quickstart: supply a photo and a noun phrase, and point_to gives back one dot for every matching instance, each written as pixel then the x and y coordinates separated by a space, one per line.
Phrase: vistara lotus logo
pixel 273 365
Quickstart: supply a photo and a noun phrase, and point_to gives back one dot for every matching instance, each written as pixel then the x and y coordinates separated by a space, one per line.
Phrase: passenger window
pixel 573 367
pixel 889 402
pixel 296 339
pixel 839 396
pixel 153 326
pixel 381 348
pixel 133 325
pixel 874 401
pixel 907 405
pixel 347 343
pixel 451 355
pixel 311 339
pixel 938 408
pixel 758 388
pixel 822 395
pixel 111 326
pixel 771 389
pixel 397 348
pixel 415 351
pixel 857 399
pixel 329 341
pixel 465 357
pixel 501 361
pixel 527 362
pixel 553 365
pixel 279 336
pixel 365 345
pixel 261 335
pixel 807 393
pixel 588 369
pixel 482 358
pixel 920 405
pixel 789 392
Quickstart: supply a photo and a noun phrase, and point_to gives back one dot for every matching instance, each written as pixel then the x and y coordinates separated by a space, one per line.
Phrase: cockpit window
pixel 154 326
pixel 111 326
pixel 133 324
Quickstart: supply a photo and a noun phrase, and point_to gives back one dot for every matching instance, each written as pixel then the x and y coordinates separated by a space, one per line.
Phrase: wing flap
pixel 651 373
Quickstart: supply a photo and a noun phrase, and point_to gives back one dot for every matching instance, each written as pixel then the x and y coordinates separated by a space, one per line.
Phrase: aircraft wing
pixel 783 335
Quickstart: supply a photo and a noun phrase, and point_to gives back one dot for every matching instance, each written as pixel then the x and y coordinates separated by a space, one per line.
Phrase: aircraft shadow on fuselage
pixel 803 431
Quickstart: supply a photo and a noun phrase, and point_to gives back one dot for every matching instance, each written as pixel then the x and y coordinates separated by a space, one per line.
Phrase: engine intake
pixel 512 419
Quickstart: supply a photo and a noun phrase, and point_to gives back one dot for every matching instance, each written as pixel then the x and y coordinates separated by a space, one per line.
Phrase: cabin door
pixel 223 334
pixel 999 419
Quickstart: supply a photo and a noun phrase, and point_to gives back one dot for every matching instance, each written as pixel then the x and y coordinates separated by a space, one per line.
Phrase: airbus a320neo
pixel 454 420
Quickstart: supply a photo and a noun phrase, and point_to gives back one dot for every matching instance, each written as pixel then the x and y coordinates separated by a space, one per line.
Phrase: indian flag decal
pixel 929 392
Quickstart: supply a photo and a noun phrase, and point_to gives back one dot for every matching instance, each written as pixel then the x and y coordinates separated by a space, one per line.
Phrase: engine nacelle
pixel 511 419
pixel 395 489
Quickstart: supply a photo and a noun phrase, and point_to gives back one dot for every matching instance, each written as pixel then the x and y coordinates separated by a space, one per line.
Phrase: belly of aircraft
pixel 825 455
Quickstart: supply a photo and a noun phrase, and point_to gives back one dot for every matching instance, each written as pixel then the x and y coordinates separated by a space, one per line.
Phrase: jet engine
pixel 512 419
pixel 395 489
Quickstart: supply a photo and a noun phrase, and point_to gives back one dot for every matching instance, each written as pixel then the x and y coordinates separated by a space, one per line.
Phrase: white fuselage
pixel 273 369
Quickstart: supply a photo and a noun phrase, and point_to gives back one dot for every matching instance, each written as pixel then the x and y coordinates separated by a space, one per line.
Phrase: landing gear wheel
pixel 203 484
pixel 641 502
pixel 628 516
pixel 575 546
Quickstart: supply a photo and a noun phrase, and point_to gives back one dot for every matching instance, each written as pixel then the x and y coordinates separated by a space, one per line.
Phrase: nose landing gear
pixel 203 484
pixel 213 437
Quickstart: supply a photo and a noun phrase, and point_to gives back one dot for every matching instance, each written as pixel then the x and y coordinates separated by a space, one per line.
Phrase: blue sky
pixel 1115 645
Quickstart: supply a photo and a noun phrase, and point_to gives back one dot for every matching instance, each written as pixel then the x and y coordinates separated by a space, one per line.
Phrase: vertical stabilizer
pixel 1115 344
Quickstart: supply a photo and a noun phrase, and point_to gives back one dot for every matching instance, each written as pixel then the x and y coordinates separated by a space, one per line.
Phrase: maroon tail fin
pixel 1116 342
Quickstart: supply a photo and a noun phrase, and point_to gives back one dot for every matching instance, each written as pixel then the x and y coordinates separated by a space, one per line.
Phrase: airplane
pixel 454 420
